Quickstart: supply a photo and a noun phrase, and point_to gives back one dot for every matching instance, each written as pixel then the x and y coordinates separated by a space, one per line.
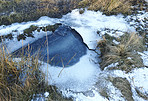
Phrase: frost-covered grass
pixel 124 52
pixel 138 79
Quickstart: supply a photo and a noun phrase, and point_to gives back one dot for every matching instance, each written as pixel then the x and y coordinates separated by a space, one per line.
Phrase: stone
pixel 63 48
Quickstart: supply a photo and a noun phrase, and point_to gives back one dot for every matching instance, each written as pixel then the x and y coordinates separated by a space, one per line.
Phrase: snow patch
pixel 79 77
pixel 144 56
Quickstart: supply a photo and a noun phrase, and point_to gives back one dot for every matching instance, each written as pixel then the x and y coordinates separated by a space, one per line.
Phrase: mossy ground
pixel 8 36
pixel 29 31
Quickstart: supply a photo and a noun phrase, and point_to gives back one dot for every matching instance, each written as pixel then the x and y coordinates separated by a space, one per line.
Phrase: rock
pixel 65 47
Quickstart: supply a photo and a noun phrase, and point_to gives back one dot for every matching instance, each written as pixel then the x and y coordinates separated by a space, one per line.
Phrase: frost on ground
pixel 144 56
pixel 84 81
pixel 138 79
pixel 79 77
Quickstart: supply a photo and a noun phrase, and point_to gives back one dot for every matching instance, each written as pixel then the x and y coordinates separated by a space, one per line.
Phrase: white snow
pixel 46 94
pixel 75 80
pixel 144 56
pixel 21 26
pixel 138 78
pixel 116 42
pixel 129 58
pixel 13 45
pixel 82 97
pixel 79 77
pixel 111 65
pixel 88 23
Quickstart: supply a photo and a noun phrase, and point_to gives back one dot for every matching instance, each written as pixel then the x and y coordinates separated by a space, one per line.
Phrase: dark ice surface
pixel 64 47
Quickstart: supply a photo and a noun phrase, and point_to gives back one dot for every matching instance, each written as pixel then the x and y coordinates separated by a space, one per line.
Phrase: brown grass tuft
pixel 108 6
pixel 124 53
pixel 19 79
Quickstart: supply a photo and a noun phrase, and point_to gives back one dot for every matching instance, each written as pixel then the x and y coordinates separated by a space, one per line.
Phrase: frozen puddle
pixel 79 81
pixel 79 77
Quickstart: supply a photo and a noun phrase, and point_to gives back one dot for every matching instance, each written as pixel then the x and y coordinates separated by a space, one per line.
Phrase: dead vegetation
pixel 25 10
pixel 124 86
pixel 18 78
pixel 141 94
pixel 125 54
pixel 21 79
pixel 109 7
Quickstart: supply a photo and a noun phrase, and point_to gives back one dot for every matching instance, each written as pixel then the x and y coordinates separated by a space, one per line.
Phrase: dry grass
pixel 125 53
pixel 108 6
pixel 26 10
pixel 19 79
pixel 56 6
